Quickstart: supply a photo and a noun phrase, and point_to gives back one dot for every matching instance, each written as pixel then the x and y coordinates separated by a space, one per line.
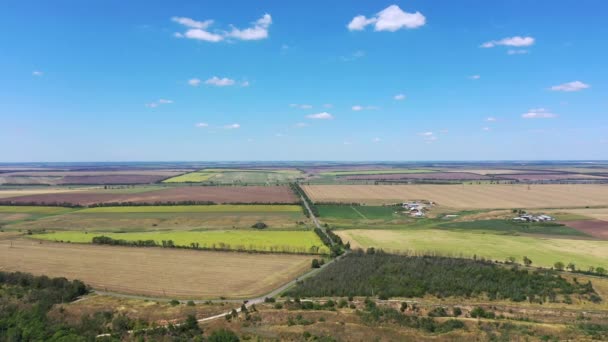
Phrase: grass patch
pixel 263 241
pixel 39 210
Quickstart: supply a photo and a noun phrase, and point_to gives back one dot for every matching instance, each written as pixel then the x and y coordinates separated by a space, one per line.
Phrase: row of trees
pixel 385 275
pixel 295 187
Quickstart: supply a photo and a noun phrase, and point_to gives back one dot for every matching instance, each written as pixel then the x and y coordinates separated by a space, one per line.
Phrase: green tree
pixel 527 261
pixel 559 266
pixel 571 266
pixel 223 335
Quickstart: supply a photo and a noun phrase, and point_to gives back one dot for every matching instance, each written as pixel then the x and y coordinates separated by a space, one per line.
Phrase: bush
pixel 223 335
pixel 260 225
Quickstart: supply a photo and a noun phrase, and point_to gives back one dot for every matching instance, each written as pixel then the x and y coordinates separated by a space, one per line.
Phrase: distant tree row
pixel 295 187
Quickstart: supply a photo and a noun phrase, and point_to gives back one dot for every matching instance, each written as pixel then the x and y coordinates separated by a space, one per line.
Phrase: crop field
pixel 447 176
pixel 550 177
pixel 372 172
pixel 485 196
pixel 264 241
pixel 173 273
pixel 238 176
pixel 20 213
pixel 87 177
pixel 17 192
pixel 542 251
pixel 216 194
pixel 596 213
pixel 153 218
pixel 508 226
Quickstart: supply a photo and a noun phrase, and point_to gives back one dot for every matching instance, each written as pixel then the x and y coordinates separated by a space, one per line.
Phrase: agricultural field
pixel 373 172
pixel 437 176
pixel 13 191
pixel 153 218
pixel 173 273
pixel 215 194
pixel 543 251
pixel 346 216
pixel 10 214
pixel 238 176
pixel 68 177
pixel 485 196
pixel 246 240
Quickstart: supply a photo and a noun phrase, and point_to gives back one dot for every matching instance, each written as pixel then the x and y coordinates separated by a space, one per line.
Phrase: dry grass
pixel 596 213
pixel 486 196
pixel 155 271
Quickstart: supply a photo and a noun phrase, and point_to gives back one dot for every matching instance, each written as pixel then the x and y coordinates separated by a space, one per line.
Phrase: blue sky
pixel 308 80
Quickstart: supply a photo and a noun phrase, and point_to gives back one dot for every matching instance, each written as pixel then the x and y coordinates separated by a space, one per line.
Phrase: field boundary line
pixel 358 212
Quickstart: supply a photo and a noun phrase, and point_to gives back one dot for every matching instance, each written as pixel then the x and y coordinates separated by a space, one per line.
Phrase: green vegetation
pixel 237 176
pixel 374 172
pixel 38 210
pixel 509 226
pixel 242 240
pixel 349 212
pixel 376 273
pixel 220 208
pixel 542 251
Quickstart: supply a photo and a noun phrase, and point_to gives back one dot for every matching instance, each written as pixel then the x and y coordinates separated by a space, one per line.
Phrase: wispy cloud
pixel 37 73
pixel 399 97
pixel 486 129
pixel 200 30
pixel 353 57
pixel 232 126
pixel 428 136
pixel 491 119
pixel 376 140
pixel 201 125
pixel 301 125
pixel 328 105
pixel 571 86
pixel 517 52
pixel 194 82
pixel 358 108
pixel 220 82
pixel 390 19
pixel 515 41
pixel 320 116
pixel 538 113
pixel 158 103
pixel 474 77
pixel 300 106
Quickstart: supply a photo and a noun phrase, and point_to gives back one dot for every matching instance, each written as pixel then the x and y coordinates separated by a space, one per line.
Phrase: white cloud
pixel 571 86
pixel 279 135
pixel 517 52
pixel 202 125
pixel 516 41
pixel 320 116
pixel 491 119
pixel 399 97
pixel 474 77
pixel 301 124
pixel 390 19
pixel 158 103
pixel 37 73
pixel 232 126
pixel 376 140
pixel 347 143
pixel 358 108
pixel 258 31
pixel 354 56
pixel 328 105
pixel 220 82
pixel 538 113
pixel 426 134
pixel 487 129
pixel 301 106
pixel 194 82
pixel 199 30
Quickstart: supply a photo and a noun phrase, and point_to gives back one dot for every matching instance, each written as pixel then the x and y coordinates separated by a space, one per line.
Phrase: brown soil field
pixel 173 273
pixel 112 179
pixel 595 228
pixel 485 196
pixel 242 194
pixel 427 175
pixel 43 173
pixel 549 176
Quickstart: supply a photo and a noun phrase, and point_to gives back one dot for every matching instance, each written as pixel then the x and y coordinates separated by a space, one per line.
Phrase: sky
pixel 408 80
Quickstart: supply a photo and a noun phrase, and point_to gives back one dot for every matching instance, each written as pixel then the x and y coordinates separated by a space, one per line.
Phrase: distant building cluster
pixel 533 218
pixel 417 209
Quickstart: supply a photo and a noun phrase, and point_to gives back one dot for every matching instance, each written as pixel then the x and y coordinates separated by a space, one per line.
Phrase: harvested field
pixel 87 177
pixel 112 179
pixel 245 194
pixel 159 272
pixel 595 228
pixel 550 176
pixel 373 172
pixel 542 251
pixel 596 213
pixel 485 196
pixel 100 173
pixel 493 171
pixel 8 193
pixel 238 176
pixel 427 175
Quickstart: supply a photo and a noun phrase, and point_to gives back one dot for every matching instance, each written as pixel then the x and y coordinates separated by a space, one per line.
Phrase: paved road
pixel 316 221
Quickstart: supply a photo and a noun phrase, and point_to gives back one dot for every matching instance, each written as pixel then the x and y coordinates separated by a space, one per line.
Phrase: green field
pixel 237 176
pixel 542 251
pixel 277 241
pixel 374 172
pixel 221 208
pixel 40 210
pixel 347 212
pixel 508 226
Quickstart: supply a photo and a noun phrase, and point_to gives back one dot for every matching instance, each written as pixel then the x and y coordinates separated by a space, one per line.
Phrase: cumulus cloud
pixel 220 82
pixel 37 73
pixel 515 41
pixel 390 19
pixel 320 116
pixel 200 30
pixel 232 126
pixel 538 113
pixel 258 31
pixel 399 97
pixel 194 82
pixel 571 86
pixel 201 125
pixel 158 103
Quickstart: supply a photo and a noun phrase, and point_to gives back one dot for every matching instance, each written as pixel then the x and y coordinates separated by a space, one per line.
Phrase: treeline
pixel 26 300
pixel 302 194
pixel 376 273
pixel 332 241
pixel 219 247
pixel 133 204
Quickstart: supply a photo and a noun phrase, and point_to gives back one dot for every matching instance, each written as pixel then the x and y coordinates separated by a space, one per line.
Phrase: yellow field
pixel 154 271
pixel 464 196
